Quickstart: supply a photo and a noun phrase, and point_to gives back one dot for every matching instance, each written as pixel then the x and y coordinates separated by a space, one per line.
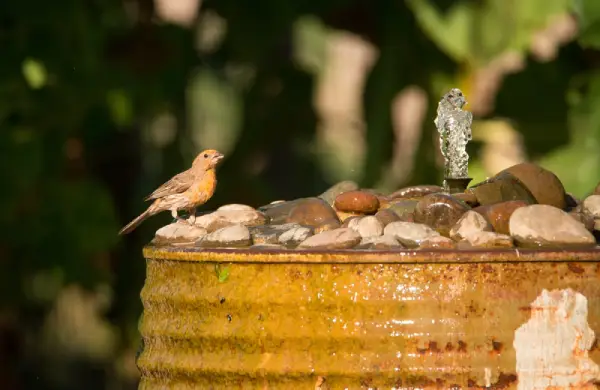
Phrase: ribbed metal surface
pixel 395 325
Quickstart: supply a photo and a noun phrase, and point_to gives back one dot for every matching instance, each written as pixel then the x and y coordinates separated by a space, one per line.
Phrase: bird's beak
pixel 218 157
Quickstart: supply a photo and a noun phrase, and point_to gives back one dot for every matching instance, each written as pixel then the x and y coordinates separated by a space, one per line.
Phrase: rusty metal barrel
pixel 261 319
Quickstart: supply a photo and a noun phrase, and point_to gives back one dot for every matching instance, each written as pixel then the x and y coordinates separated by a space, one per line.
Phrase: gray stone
pixel 341 238
pixel 269 234
pixel 469 224
pixel 409 234
pixel 294 236
pixel 368 226
pixel 543 225
pixel 179 232
pixel 231 215
pixel 380 243
pixel 591 205
pixel 234 236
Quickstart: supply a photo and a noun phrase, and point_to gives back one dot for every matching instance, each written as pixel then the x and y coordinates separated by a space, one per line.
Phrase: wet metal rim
pixel 353 256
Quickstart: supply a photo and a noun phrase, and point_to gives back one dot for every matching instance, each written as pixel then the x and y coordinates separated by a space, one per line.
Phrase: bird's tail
pixel 133 224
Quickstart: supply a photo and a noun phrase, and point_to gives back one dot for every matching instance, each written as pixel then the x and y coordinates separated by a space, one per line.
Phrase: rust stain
pixel 574 267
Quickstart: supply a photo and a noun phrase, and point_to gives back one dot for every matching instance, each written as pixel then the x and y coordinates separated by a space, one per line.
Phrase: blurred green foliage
pixel 81 84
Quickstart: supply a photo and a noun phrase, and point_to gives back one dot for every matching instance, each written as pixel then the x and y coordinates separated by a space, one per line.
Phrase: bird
pixel 184 191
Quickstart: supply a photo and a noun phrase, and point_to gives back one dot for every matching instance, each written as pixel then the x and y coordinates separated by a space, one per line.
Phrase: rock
pixel 586 219
pixel 278 212
pixel 349 220
pixel 486 239
pixel 591 205
pixel 439 242
pixel 468 197
pixel 344 216
pixel 498 214
pixel 368 227
pixel 440 211
pixel 571 201
pixel 267 247
pixel 236 207
pixel 342 238
pixel 269 234
pixel 380 243
pixel 339 188
pixel 179 232
pixel 404 209
pixel 353 223
pixel 408 233
pixel 234 236
pixel 361 202
pixel 415 191
pixel 329 225
pixel 384 201
pixel 544 185
pixel 231 215
pixel 313 212
pixel 501 188
pixel 386 216
pixel 294 236
pixel 542 225
pixel 470 223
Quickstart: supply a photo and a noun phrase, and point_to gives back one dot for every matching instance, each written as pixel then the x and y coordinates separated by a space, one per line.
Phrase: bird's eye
pixel 460 94
pixel 205 155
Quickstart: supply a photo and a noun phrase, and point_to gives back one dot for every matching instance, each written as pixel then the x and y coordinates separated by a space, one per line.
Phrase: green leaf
pixel 222 273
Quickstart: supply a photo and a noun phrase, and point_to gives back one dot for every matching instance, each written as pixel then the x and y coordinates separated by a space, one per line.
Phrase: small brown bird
pixel 185 191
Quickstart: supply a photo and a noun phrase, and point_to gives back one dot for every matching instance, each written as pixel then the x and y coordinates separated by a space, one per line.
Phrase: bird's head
pixel 456 98
pixel 207 159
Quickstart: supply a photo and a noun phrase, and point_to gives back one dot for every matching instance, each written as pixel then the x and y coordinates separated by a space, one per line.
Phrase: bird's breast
pixel 203 188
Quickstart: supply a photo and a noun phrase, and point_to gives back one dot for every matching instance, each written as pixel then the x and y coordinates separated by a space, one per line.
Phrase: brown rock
pixel 498 214
pixel 362 202
pixel 278 212
pixel 415 191
pixel 404 208
pixel 313 212
pixel 327 225
pixel 544 185
pixel 501 188
pixel 386 216
pixel 339 188
pixel 440 211
pixel 468 197
pixel 439 242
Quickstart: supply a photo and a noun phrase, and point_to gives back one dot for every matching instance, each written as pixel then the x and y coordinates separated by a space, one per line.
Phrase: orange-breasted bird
pixel 185 191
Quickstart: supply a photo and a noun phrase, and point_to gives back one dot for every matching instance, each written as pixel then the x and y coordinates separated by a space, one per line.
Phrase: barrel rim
pixel 354 256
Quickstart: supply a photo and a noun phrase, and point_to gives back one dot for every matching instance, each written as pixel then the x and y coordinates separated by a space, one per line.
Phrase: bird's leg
pixel 176 216
pixel 192 217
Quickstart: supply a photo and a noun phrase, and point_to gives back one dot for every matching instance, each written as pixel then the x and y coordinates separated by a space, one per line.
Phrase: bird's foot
pixel 192 219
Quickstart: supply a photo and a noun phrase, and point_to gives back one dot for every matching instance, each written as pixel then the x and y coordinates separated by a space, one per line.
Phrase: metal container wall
pixel 347 320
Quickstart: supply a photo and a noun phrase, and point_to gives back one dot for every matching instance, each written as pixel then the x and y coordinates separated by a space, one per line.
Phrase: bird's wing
pixel 178 184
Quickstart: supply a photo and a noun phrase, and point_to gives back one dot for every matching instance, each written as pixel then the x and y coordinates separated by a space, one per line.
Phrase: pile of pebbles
pixel 522 206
